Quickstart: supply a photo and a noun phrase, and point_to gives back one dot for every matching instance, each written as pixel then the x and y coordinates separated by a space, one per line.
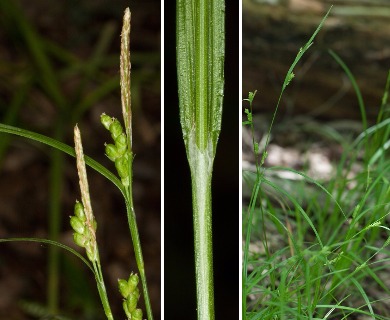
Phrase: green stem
pixel 201 173
pixel 200 37
pixel 102 289
pixel 137 244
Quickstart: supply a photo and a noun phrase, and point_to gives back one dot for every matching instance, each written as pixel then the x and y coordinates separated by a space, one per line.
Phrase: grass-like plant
pixel 330 233
pixel 200 40
pixel 70 107
pixel 83 221
pixel 48 69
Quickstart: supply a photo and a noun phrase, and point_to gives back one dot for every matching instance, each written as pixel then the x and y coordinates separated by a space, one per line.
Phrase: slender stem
pixel 89 222
pixel 201 164
pixel 125 72
pixel 200 40
pixel 138 250
pixel 102 288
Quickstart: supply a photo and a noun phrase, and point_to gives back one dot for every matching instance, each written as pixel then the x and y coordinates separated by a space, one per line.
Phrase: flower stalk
pixel 125 166
pixel 84 224
pixel 120 152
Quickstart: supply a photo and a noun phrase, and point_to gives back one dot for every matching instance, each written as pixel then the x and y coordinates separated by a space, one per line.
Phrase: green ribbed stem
pixel 200 38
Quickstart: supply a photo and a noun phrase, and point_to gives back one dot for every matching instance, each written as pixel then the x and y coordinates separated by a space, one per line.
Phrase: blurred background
pixel 59 65
pixel 321 99
pixel 319 115
pixel 357 30
pixel 179 274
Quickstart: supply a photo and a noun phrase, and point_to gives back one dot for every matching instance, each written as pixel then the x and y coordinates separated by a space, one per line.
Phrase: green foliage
pixel 83 221
pixel 330 234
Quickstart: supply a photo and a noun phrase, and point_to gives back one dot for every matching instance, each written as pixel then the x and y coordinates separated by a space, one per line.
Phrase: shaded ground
pixel 314 154
pixel 76 27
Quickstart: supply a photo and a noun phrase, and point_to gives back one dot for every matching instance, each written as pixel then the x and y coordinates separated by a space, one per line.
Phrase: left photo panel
pixel 80 160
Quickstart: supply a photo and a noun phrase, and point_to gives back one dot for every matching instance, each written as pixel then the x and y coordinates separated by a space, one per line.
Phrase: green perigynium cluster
pixel 130 293
pixel 84 235
pixel 117 152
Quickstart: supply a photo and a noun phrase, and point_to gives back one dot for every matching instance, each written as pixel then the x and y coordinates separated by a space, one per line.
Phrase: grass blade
pixel 63 147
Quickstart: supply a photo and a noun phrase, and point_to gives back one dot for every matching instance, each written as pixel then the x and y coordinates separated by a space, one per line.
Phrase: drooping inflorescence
pixel 130 293
pixel 117 152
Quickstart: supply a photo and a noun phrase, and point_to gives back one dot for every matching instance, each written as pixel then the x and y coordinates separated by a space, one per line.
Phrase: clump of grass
pixel 83 221
pixel 332 247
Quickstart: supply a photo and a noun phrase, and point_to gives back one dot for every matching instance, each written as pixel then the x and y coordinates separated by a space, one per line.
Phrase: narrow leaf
pixel 62 147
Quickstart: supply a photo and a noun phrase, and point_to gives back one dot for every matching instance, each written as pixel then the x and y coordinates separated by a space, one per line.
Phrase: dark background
pixel 46 44
pixel 179 273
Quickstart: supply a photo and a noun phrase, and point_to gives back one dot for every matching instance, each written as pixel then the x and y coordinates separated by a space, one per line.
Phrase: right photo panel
pixel 315 159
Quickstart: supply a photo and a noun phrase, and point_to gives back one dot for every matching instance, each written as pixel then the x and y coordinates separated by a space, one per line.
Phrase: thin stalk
pixel 125 71
pixel 102 289
pixel 200 40
pixel 138 252
pixel 201 173
pixel 93 256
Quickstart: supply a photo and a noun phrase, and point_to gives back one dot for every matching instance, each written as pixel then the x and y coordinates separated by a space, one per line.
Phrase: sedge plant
pixel 200 69
pixel 52 68
pixel 322 242
pixel 260 158
pixel 83 222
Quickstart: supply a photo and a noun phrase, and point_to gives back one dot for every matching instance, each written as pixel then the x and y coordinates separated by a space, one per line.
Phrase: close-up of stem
pixel 200 39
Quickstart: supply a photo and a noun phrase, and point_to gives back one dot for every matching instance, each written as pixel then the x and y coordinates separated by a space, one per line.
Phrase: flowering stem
pixel 138 251
pixel 125 71
pixel 102 289
pixel 89 223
